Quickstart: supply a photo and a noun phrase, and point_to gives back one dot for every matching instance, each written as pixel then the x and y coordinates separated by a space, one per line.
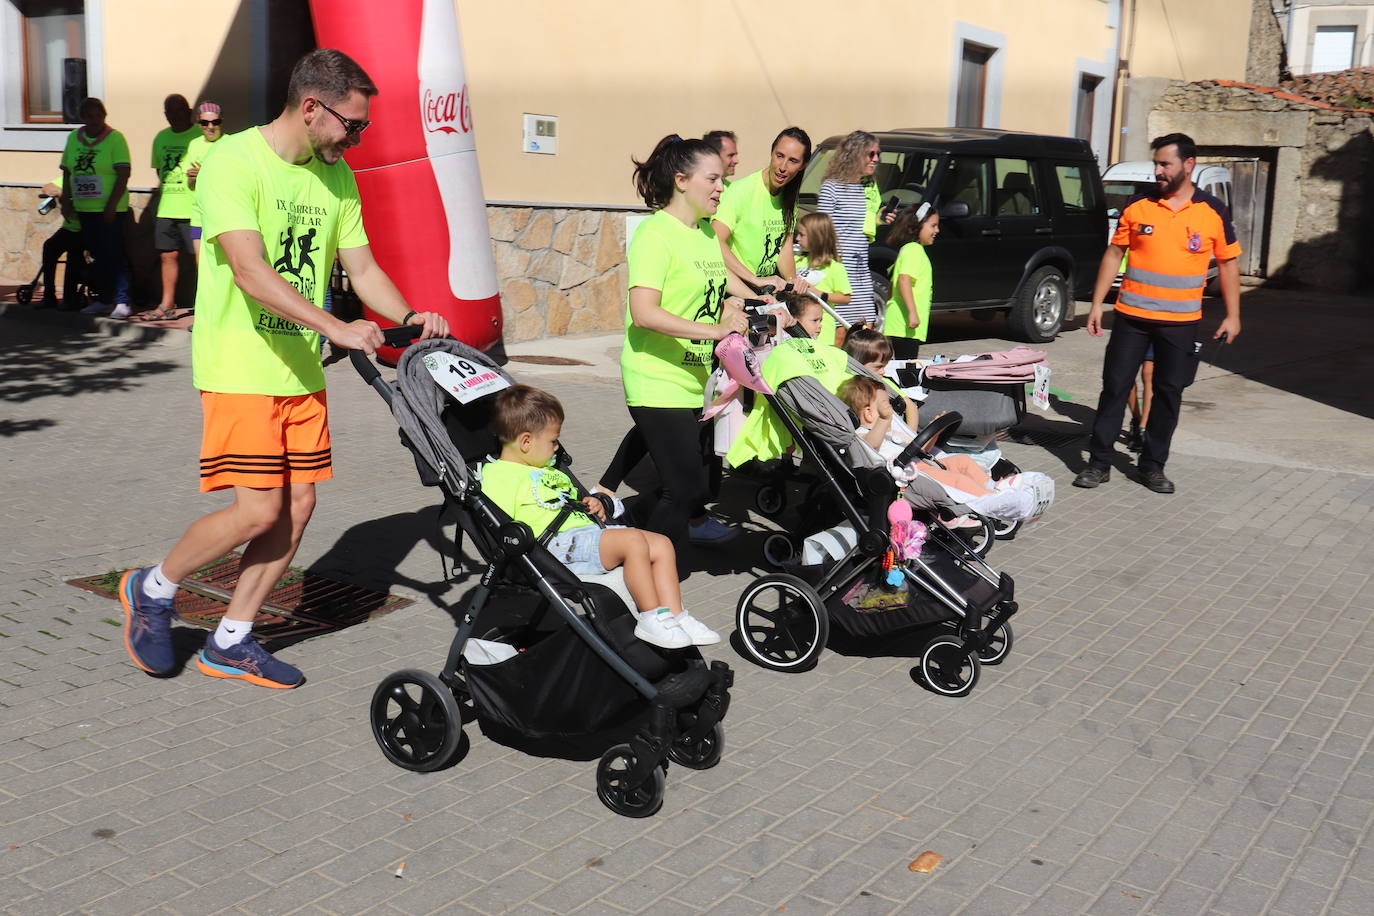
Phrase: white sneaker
pixel 711 533
pixel 97 308
pixel 121 310
pixel 700 633
pixel 660 628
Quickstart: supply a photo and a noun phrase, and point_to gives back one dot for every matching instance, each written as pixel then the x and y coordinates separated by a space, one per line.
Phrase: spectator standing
pixel 65 241
pixel 210 120
pixel 277 203
pixel 907 320
pixel 726 144
pixel 95 187
pixel 757 215
pixel 173 233
pixel 1171 233
pixel 850 196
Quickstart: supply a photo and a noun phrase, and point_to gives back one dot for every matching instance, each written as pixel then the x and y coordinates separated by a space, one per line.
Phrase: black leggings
pixel 631 452
pixel 673 437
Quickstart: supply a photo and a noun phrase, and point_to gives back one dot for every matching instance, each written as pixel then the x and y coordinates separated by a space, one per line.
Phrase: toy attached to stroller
pixel 556 664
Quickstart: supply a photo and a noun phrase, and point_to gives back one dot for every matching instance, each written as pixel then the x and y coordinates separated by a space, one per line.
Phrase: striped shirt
pixel 847 205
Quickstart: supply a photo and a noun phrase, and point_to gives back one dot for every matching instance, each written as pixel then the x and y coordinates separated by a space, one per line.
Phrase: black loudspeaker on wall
pixel 73 88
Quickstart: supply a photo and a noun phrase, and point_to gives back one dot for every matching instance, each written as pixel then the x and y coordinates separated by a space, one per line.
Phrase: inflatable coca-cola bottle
pixel 416 166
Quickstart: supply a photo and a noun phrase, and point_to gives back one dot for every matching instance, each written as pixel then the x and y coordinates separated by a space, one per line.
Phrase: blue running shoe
pixel 247 661
pixel 147 624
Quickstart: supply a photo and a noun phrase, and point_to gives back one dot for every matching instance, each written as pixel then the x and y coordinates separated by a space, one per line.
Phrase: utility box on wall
pixel 540 134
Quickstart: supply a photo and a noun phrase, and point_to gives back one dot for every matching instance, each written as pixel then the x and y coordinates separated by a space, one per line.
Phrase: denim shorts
pixel 579 549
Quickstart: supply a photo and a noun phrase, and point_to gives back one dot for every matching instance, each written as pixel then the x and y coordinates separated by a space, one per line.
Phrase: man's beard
pixel 1173 184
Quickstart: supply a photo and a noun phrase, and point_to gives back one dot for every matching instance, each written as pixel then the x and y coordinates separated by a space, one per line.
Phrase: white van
pixel 1124 180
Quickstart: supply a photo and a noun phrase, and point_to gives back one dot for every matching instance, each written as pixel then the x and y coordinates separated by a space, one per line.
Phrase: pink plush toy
pixel 907 535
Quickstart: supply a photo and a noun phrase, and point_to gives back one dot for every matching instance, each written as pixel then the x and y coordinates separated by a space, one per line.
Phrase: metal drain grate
pixel 302 603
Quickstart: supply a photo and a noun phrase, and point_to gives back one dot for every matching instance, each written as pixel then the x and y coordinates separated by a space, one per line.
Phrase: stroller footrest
pixel 684 688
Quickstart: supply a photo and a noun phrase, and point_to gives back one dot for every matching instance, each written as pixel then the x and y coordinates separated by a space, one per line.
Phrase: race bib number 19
pixel 464 379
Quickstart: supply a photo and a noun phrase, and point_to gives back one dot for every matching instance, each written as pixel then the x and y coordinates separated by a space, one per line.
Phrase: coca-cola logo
pixel 447 112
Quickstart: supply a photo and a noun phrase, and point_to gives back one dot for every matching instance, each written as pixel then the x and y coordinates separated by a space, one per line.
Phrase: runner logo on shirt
pixel 170 160
pixel 708 311
pixel 85 161
pixel 772 248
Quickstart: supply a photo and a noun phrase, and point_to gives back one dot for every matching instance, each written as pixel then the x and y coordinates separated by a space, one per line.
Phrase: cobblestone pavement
pixel 1182 726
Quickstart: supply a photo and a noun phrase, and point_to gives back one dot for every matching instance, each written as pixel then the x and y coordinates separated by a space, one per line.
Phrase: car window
pixel 811 179
pixel 966 180
pixel 1078 190
pixel 1016 194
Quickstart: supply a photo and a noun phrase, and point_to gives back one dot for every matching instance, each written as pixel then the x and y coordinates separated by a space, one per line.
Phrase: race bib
pixel 87 187
pixel 1040 388
pixel 462 378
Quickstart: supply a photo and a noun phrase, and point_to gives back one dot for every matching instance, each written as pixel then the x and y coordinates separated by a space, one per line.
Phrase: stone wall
pixel 562 271
pixel 1322 210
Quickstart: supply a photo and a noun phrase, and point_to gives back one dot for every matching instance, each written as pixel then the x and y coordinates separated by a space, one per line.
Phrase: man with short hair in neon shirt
pixel 172 234
pixel 727 144
pixel 1171 235
pixel 277 204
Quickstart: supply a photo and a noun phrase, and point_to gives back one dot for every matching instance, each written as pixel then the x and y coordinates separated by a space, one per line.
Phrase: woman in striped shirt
pixel 850 196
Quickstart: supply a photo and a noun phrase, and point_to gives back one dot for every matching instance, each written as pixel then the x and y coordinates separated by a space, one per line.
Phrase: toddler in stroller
pixel 1020 497
pixel 528 422
pixel 543 659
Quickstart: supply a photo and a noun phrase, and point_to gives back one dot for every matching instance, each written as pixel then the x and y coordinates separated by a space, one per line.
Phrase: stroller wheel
pixel 415 720
pixel 948 668
pixel 778 549
pixel 702 755
pixel 24 294
pixel 978 537
pixel 1004 530
pixel 616 791
pixel 770 500
pixel 998 647
pixel 782 623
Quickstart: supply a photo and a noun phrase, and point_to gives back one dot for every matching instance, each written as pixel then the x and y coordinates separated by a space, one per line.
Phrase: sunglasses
pixel 873 155
pixel 350 126
pixel 215 123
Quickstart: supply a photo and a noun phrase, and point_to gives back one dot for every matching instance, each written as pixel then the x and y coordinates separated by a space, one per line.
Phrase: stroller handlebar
pixel 391 337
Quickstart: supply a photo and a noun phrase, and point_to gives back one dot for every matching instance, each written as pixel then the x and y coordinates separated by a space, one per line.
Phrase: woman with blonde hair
pixel 851 198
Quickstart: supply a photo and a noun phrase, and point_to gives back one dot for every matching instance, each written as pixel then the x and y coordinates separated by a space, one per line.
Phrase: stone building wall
pixel 1322 210
pixel 561 271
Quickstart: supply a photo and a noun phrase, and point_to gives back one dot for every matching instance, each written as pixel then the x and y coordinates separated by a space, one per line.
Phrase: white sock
pixel 155 585
pixel 231 632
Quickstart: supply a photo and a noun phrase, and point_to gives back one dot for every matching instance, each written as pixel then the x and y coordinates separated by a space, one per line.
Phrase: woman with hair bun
pixel 758 214
pixel 679 307
pixel 850 196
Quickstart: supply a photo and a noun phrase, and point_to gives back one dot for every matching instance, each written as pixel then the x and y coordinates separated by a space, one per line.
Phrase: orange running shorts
pixel 263 441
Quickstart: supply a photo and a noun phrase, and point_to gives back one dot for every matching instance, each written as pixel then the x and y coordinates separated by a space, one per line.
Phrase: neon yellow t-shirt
pixel 913 261
pixel 763 436
pixel 92 170
pixel 532 495
pixel 874 198
pixel 170 159
pixel 686 266
pixel 754 217
pixel 304 213
pixel 832 278
pixel 70 223
pixel 195 155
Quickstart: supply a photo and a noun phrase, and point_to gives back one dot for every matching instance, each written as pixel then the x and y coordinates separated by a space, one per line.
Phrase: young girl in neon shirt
pixel 820 265
pixel 907 321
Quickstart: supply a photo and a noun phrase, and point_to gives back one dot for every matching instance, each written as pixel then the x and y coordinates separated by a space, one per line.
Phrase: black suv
pixel 1022 220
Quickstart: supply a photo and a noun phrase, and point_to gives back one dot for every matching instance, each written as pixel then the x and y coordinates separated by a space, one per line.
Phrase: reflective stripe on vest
pixel 1175 306
pixel 1168 281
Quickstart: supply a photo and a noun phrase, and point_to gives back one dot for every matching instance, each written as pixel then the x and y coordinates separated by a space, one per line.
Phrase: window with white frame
pixel 50 59
pixel 1333 48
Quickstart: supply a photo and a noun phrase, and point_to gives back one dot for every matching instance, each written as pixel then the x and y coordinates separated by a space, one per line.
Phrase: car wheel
pixel 882 291
pixel 1038 311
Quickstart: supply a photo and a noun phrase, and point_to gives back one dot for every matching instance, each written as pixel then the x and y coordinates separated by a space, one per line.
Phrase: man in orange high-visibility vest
pixel 1172 233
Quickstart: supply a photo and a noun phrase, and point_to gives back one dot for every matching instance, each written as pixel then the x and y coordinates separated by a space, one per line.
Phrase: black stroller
pixel 783 620
pixel 540 658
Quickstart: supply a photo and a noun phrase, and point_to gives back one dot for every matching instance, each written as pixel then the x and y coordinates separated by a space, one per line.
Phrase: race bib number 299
pixel 87 187
pixel 465 379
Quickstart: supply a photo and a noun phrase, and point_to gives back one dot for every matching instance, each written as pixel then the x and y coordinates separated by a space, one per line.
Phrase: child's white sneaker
pixel 660 628
pixel 700 633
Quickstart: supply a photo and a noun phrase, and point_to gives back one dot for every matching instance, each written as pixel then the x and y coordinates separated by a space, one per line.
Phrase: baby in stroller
pixel 1020 497
pixel 522 482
